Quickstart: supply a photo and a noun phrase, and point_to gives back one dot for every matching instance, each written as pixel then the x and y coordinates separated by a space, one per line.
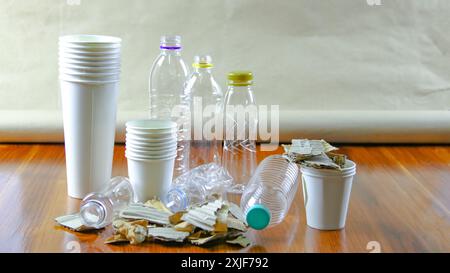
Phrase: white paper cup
pixel 77 51
pixel 151 148
pixel 150 140
pixel 84 58
pixel 326 195
pixel 82 69
pixel 150 178
pixel 89 114
pixel 113 63
pixel 89 40
pixel 72 79
pixel 159 153
pixel 75 72
pixel 129 153
pixel 153 135
pixel 150 132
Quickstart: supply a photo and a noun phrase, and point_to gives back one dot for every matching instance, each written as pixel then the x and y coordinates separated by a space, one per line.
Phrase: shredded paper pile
pixel 215 221
pixel 314 153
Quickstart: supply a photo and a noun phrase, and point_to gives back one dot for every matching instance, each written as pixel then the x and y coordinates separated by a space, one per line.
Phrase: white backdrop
pixel 341 70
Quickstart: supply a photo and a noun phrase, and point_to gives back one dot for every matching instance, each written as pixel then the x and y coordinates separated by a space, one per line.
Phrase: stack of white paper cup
pixel 151 148
pixel 327 194
pixel 89 70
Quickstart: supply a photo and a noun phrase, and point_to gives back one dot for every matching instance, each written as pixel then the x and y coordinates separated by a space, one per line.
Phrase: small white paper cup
pixel 150 178
pixel 75 72
pixel 129 153
pixel 86 69
pixel 145 136
pixel 326 195
pixel 89 80
pixel 110 63
pixel 85 58
pixel 159 153
pixel 150 141
pixel 80 52
pixel 142 148
pixel 89 40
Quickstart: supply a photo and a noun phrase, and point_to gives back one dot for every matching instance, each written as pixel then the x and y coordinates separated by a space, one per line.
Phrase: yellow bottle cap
pixel 240 78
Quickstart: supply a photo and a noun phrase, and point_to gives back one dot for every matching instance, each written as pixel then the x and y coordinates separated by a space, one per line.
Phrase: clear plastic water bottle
pixel 98 208
pixel 203 183
pixel 206 98
pixel 239 146
pixel 269 194
pixel 168 99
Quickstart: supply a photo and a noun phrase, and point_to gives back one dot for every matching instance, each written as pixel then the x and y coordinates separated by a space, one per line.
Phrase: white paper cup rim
pixel 150 124
pixel 89 39
pixel 348 170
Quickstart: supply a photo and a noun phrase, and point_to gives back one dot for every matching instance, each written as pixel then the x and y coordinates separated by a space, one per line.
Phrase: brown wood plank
pixel 400 198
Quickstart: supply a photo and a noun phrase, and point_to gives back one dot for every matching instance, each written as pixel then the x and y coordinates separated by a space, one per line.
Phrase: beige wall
pixel 389 63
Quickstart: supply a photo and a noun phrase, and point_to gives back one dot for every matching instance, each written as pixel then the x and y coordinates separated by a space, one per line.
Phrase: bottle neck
pixel 171 52
pixel 203 70
pixel 240 88
pixel 93 214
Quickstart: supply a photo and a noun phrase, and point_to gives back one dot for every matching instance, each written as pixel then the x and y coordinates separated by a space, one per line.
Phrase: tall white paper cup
pixel 89 114
pixel 150 178
pixel 326 195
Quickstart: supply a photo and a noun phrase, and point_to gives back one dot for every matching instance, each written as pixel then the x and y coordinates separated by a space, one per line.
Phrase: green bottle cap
pixel 258 217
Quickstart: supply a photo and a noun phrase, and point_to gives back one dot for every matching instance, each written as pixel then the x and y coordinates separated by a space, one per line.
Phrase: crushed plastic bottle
pixel 203 183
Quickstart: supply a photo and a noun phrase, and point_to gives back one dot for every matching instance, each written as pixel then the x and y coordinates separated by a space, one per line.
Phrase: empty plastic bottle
pixel 200 184
pixel 269 194
pixel 239 145
pixel 98 208
pixel 206 107
pixel 168 99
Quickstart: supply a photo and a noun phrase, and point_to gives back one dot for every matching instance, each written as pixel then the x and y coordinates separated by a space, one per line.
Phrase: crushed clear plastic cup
pixel 212 176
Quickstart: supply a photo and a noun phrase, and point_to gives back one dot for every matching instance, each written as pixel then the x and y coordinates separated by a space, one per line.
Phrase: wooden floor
pixel 400 201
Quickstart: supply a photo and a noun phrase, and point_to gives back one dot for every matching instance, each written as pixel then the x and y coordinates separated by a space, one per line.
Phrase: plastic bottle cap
pixel 170 42
pixel 258 217
pixel 202 61
pixel 240 78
